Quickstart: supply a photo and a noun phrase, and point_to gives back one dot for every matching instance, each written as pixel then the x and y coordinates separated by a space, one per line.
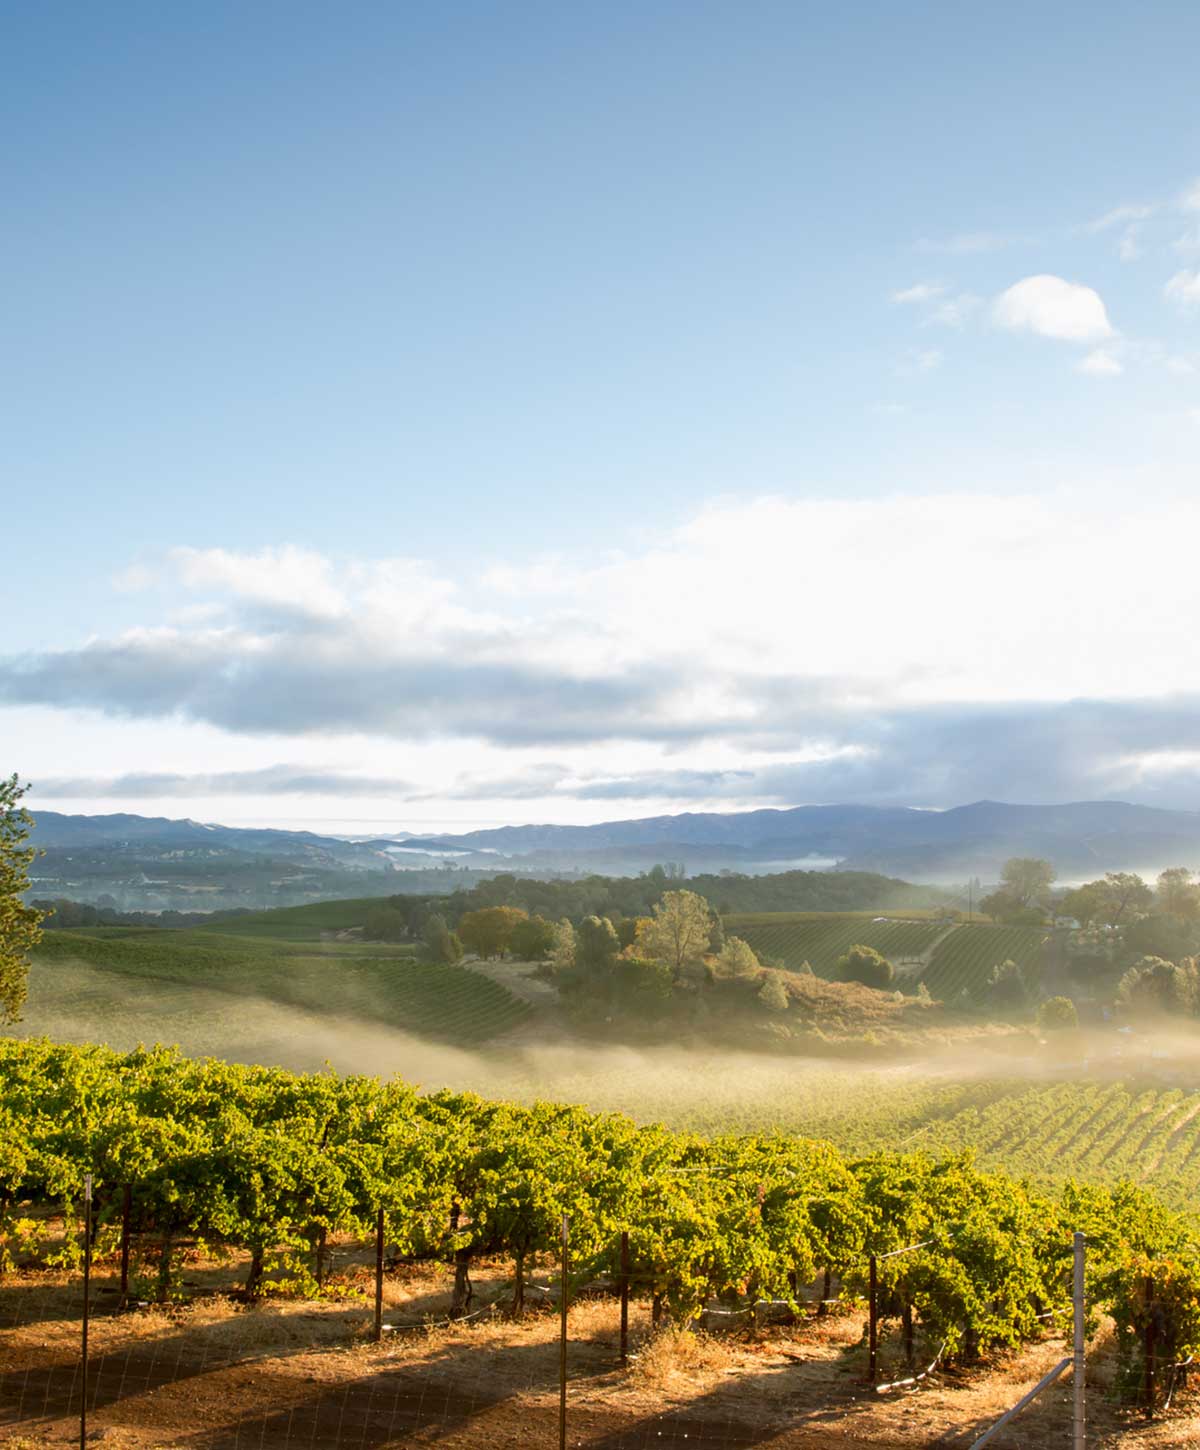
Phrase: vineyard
pixel 964 961
pixel 1047 1130
pixel 960 956
pixel 794 938
pixel 297 923
pixel 274 1164
pixel 125 984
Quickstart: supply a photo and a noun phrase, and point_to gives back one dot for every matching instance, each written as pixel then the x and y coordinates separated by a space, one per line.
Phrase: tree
pixel 716 934
pixel 1001 906
pixel 866 965
pixel 488 931
pixel 736 961
pixel 1127 895
pixel 19 924
pixel 1006 986
pixel 773 994
pixel 1177 894
pixel 1161 936
pixel 563 953
pixel 1027 879
pixel 596 945
pixel 1086 903
pixel 1057 1014
pixel 442 944
pixel 384 923
pixel 533 939
pixel 678 931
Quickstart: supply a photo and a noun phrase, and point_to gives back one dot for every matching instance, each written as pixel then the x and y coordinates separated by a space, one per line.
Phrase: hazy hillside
pixel 135 862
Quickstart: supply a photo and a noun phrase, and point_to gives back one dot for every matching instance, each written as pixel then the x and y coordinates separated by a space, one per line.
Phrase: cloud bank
pixel 918 649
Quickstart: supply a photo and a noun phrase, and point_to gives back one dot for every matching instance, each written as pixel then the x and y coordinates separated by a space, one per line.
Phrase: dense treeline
pixel 63 914
pixel 621 897
pixel 613 896
pixel 272 1162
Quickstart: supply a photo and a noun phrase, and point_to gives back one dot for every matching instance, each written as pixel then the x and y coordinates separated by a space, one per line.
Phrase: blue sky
pixel 393 357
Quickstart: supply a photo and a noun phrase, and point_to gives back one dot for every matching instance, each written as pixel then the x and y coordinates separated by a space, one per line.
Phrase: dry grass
pixel 679 1357
pixel 216 1370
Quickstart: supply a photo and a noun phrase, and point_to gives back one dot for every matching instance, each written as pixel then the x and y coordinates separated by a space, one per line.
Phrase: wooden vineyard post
pixel 320 1257
pixel 624 1298
pixel 873 1321
pixel 1079 1370
pixel 126 1211
pixel 1148 1352
pixel 87 1284
pixel 379 1276
pixel 562 1338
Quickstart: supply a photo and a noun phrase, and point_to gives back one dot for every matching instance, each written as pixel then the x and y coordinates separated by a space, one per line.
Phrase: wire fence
pixel 215 1348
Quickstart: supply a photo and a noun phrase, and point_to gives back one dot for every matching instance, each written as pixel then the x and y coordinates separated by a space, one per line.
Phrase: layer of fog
pixel 705 1087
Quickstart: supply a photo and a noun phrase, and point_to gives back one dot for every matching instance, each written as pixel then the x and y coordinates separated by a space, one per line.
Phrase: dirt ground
pixel 215 1373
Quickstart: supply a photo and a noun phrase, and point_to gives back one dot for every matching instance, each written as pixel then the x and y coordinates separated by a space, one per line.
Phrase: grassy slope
pixel 124 984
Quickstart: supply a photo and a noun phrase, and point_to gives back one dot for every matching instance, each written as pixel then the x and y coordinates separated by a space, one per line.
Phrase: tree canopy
pixel 19 924
pixel 678 932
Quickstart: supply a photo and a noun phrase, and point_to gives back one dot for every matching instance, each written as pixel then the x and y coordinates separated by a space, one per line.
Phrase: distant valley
pixel 138 863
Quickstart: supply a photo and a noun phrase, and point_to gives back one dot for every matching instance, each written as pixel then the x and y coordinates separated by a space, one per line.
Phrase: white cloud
pixel 1187 242
pixel 1190 199
pixel 297 579
pixel 922 292
pixel 1184 288
pixel 1119 215
pixel 1052 307
pixel 1101 363
pixel 422 676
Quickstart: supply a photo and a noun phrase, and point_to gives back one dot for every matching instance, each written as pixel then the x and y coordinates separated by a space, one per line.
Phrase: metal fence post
pixel 87 1284
pixel 379 1276
pixel 624 1298
pixel 562 1338
pixel 1079 1372
pixel 126 1211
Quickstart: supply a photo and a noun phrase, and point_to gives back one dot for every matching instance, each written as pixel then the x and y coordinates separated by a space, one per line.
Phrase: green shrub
pixel 866 965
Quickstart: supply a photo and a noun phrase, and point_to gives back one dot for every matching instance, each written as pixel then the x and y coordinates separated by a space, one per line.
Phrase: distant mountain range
pixel 1081 838
pixel 152 862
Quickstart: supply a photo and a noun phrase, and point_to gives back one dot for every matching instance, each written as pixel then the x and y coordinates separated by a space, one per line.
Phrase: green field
pixel 820 938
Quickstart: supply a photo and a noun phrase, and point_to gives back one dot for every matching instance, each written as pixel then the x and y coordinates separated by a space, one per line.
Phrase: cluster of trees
pixel 620 897
pixel 62 914
pixel 1153 985
pixel 637 965
pixel 1145 937
pixel 1118 898
pixel 274 1163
